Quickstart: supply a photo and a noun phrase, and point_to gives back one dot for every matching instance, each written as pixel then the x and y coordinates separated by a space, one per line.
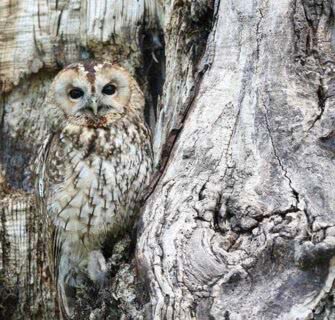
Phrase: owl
pixel 92 169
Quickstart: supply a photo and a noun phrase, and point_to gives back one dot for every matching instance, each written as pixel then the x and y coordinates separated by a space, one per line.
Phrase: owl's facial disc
pixel 87 92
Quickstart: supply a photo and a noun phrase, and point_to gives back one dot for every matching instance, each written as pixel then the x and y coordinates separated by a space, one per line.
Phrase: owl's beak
pixel 93 105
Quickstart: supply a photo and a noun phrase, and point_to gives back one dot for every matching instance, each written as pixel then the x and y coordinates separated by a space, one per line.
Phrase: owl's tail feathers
pixel 67 280
pixel 66 299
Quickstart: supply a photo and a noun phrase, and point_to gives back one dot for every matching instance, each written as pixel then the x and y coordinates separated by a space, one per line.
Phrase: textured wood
pixel 25 287
pixel 40 34
pixel 241 224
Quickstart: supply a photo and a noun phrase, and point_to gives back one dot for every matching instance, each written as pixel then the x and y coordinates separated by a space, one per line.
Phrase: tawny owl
pixel 92 168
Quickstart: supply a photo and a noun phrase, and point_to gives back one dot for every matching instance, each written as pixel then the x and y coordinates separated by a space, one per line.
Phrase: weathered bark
pixel 241 225
pixel 239 222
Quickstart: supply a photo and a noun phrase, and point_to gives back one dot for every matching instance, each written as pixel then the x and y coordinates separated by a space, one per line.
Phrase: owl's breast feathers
pixel 94 178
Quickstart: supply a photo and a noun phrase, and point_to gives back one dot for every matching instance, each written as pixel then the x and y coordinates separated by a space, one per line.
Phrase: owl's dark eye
pixel 109 89
pixel 76 93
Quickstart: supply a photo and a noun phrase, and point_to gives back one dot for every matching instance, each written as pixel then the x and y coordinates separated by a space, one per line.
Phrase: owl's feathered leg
pixel 97 268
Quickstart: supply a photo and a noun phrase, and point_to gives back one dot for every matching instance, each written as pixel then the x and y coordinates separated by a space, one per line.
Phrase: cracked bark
pixel 239 222
pixel 246 234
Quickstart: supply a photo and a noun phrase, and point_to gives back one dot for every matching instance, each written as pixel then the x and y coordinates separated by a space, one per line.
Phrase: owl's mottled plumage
pixel 92 168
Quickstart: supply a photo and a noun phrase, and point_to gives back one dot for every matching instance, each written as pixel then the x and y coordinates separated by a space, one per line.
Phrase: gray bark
pixel 239 221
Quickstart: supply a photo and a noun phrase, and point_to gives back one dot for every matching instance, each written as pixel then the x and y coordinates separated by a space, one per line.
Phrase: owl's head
pixel 87 93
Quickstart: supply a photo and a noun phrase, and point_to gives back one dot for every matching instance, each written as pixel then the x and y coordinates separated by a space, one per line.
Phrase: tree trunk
pixel 239 221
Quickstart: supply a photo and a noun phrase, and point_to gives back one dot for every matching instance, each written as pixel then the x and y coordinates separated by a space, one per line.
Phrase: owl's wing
pixel 49 170
pixel 40 165
pixel 51 176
